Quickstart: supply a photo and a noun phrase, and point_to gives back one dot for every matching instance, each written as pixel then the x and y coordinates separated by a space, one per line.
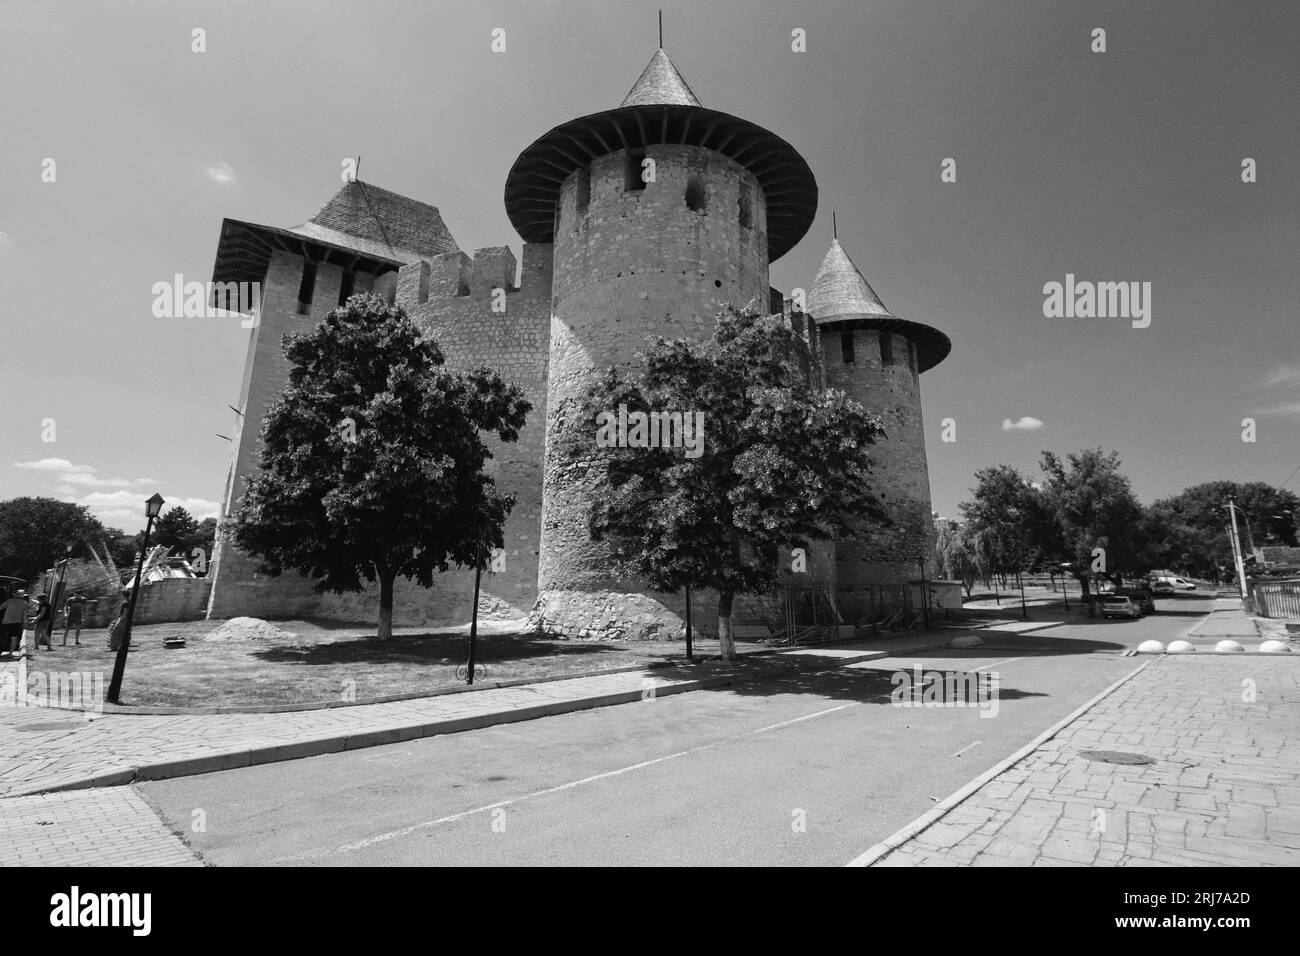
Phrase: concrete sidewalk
pixel 1222 787
pixel 46 750
pixel 1228 620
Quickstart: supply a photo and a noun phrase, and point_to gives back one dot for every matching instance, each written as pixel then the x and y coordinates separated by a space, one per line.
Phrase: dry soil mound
pixel 246 630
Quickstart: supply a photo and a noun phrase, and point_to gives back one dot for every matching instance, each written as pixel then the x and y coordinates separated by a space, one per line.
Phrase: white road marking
pixel 996 663
pixel 966 748
pixel 406 831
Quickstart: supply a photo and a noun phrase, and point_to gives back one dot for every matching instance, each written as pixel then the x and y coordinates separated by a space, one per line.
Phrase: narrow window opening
pixel 911 355
pixel 346 284
pixel 632 181
pixel 307 287
pixel 695 198
pixel 746 206
pixel 846 347
pixel 886 348
pixel 584 190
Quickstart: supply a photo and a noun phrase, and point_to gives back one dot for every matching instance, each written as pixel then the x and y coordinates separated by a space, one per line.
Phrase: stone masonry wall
pixel 884 555
pixel 633 264
pixel 451 298
pixel 237 589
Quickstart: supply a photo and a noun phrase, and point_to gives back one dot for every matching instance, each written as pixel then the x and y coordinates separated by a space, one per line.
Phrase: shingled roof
pixel 385 222
pixel 660 82
pixel 662 108
pixel 362 228
pixel 840 288
pixel 841 298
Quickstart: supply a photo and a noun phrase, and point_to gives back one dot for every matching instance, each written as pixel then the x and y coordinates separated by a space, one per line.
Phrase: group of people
pixel 19 613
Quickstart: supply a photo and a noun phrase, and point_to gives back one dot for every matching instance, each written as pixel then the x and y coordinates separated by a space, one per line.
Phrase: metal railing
pixel 1276 599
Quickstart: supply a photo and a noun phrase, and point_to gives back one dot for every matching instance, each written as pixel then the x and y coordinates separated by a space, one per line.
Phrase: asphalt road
pixel 806 770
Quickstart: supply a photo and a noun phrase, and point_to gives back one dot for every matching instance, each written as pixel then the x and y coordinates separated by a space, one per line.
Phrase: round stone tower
pixel 877 359
pixel 660 211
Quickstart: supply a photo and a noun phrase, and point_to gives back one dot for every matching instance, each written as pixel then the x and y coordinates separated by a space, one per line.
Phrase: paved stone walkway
pixel 68 829
pixel 1224 790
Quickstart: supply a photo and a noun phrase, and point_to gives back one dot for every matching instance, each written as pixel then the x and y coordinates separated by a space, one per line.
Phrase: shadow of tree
pixel 434 648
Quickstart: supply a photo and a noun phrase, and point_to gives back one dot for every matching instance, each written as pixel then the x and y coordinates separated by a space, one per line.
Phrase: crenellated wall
pixel 454 300
pixel 451 298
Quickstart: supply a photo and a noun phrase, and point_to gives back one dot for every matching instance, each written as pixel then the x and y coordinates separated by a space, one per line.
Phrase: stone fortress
pixel 637 221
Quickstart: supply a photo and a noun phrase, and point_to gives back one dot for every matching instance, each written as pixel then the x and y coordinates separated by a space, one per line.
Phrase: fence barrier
pixel 1277 599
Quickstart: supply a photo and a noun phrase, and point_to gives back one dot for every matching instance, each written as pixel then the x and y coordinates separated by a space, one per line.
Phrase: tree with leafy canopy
pixel 961 556
pixel 1010 519
pixel 1192 525
pixel 175 528
pixel 783 464
pixel 36 532
pixel 1094 507
pixel 372 460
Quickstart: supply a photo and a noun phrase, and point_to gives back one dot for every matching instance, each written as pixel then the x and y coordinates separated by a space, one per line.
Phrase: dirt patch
pixel 248 630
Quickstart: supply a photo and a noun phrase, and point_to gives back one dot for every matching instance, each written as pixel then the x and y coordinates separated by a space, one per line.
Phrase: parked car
pixel 1142 597
pixel 1120 605
pixel 1162 586
pixel 1185 585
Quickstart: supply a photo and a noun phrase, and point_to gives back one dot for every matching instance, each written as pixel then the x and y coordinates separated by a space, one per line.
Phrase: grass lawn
pixel 326 660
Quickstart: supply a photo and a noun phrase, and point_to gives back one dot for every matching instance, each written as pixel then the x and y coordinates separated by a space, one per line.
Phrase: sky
pixel 1115 166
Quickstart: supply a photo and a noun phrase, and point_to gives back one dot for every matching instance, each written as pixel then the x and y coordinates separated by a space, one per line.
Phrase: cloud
pixel 90 481
pixel 5 242
pixel 125 509
pixel 1025 424
pixel 61 465
pixel 222 173
pixel 1292 410
pixel 1286 375
pixel 119 508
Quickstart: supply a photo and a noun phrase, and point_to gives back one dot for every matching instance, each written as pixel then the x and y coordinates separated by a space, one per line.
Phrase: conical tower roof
pixel 662 108
pixel 842 299
pixel 840 289
pixel 661 83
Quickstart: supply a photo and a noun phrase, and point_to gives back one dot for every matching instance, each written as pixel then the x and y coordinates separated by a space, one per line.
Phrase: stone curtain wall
pixel 171 599
pixel 451 299
pixel 884 555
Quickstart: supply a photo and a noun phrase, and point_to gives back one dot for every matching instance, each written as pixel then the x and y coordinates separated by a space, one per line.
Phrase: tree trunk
pixel 386 604
pixel 1086 596
pixel 726 643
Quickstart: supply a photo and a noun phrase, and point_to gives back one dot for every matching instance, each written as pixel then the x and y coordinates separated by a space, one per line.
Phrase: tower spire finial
pixel 661 29
pixel 835 229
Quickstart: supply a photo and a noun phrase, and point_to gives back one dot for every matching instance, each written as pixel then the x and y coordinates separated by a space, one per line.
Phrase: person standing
pixel 73 615
pixel 117 629
pixel 42 621
pixel 11 622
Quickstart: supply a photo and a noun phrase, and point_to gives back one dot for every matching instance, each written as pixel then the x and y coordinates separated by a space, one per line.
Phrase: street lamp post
pixel 925 597
pixel 689 655
pixel 152 508
pixel 473 621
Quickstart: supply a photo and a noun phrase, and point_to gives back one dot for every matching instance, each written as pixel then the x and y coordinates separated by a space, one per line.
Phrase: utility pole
pixel 1236 547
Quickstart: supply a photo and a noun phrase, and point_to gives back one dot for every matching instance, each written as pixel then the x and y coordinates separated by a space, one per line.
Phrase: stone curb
pixel 940 810
pixel 231 759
